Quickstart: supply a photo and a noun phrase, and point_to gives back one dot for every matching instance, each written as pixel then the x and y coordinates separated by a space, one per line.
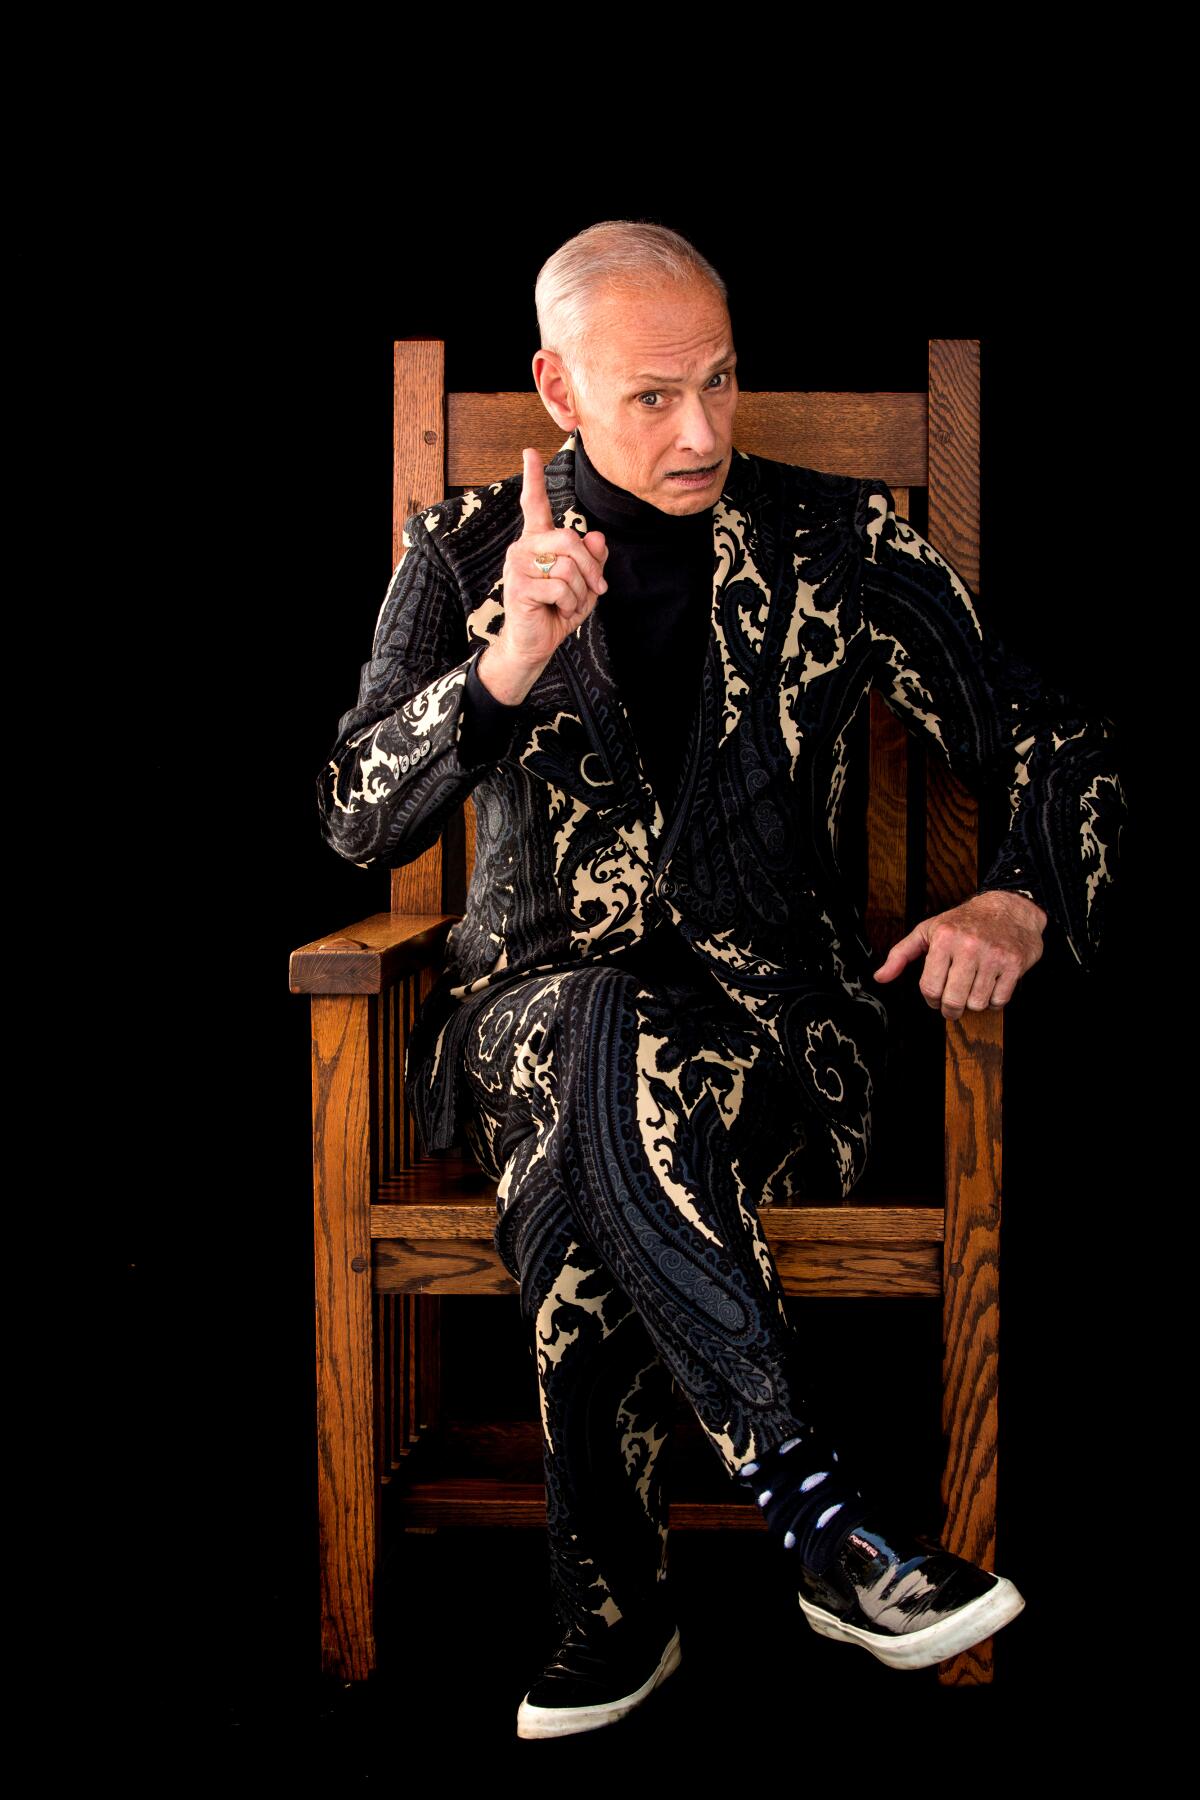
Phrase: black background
pixel 259 574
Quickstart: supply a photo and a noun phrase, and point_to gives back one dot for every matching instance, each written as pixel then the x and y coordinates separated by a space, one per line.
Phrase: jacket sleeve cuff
pixel 1010 876
pixel 390 784
pixel 488 725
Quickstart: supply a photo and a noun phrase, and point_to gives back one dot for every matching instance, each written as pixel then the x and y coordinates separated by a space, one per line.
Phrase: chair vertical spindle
pixel 343 1055
pixel 887 825
pixel 418 430
pixel 971 1305
pixel 384 1383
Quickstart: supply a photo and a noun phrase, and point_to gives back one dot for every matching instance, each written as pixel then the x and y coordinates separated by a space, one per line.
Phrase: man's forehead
pixel 686 364
pixel 661 334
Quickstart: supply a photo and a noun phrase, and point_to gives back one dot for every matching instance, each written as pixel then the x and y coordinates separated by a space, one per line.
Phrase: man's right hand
pixel 540 611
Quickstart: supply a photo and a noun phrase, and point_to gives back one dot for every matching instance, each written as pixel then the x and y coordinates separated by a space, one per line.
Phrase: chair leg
pixel 971 1306
pixel 348 1498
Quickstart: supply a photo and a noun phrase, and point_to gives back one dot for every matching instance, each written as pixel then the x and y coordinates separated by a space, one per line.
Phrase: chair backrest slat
pixel 847 434
pixel 418 410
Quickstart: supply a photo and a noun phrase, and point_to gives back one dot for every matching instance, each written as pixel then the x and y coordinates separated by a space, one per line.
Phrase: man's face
pixel 658 416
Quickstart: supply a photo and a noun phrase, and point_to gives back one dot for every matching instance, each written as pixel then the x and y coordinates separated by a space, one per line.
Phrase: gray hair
pixel 615 253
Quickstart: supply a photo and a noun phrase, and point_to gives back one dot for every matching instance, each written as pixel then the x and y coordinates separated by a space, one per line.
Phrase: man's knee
pixel 568 1041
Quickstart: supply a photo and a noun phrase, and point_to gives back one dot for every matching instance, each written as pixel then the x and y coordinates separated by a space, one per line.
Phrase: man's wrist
pixel 487 724
pixel 1019 903
pixel 505 681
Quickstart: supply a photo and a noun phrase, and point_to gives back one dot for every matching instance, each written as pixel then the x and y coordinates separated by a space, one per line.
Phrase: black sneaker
pixel 593 1681
pixel 908 1601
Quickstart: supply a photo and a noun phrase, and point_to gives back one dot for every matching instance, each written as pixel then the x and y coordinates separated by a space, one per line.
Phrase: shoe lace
pixel 586 1655
pixel 576 1656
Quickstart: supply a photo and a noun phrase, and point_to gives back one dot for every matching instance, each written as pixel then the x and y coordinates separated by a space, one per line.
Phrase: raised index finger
pixel 535 502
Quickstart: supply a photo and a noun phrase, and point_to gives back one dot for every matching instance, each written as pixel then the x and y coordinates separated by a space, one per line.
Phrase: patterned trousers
pixel 635 1122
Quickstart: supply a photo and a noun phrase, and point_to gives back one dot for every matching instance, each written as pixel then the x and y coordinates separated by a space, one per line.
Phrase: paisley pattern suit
pixel 636 1113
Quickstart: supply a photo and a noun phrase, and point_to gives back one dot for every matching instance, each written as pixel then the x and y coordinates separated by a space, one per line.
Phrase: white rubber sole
pixel 919 1649
pixel 561 1721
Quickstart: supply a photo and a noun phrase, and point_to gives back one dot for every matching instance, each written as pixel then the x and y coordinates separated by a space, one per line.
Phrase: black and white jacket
pixel 819 592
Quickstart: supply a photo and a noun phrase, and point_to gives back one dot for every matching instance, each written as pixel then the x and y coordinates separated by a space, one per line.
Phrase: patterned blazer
pixel 819 592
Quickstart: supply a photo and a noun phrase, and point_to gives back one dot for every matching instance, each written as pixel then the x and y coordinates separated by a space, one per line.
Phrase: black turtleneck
pixel 655 623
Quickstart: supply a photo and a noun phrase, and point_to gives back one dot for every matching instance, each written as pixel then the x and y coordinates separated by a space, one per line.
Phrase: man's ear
pixel 556 389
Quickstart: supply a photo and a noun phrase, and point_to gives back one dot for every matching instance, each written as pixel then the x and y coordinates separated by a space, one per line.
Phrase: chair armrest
pixel 365 958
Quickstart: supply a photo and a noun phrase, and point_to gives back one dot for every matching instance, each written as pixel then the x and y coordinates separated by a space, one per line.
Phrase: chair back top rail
pixel 455 440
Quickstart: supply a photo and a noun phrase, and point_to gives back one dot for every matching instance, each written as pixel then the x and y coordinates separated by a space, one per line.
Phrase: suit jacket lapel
pixel 588 665
pixel 737 618
pixel 741 596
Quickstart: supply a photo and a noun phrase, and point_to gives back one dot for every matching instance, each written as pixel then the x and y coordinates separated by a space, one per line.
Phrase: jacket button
pixel 666 885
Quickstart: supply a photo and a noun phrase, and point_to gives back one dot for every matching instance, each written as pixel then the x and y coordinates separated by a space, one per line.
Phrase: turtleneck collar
pixel 617 512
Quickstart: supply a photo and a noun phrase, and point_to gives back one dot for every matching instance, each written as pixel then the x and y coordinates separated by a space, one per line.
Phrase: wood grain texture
pixel 954 454
pixel 384 947
pixel 470 1265
pixel 417 886
pixel 971 1306
pixel 952 814
pixel 951 838
pixel 844 434
pixel 438 1195
pixel 426 1246
pixel 435 881
pixel 348 1494
pixel 467 1265
pixel 887 826
pixel 418 446
pixel 859 1271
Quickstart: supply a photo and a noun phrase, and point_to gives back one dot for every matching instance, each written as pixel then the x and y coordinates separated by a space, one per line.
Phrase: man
pixel 660 1011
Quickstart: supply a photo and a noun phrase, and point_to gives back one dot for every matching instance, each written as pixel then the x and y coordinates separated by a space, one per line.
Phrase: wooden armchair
pixel 396 1229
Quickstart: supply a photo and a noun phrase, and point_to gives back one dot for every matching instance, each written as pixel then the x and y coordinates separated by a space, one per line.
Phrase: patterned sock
pixel 809 1500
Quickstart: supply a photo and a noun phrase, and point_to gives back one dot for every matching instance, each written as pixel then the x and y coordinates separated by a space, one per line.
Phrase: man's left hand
pixel 975 954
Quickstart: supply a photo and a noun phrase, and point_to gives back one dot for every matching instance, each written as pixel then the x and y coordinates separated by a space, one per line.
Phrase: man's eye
pixel 722 376
pixel 654 396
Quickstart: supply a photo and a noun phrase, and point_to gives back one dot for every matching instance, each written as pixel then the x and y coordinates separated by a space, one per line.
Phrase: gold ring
pixel 545 564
